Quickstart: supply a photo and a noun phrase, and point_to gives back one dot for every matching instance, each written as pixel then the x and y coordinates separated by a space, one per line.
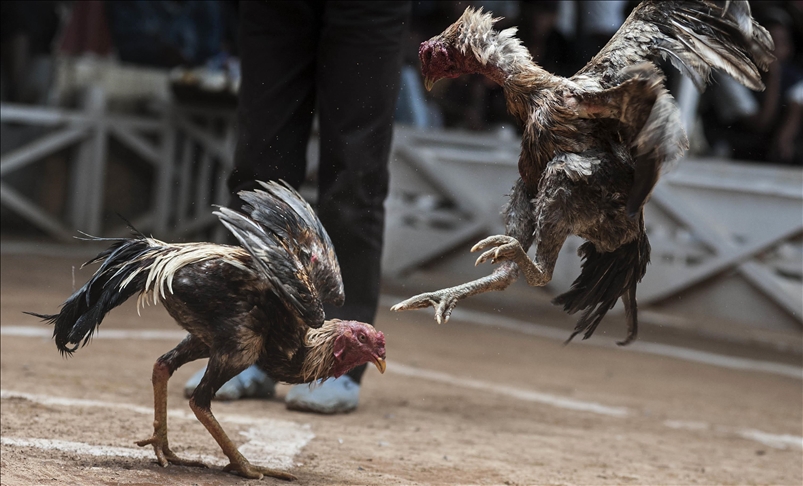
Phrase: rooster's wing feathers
pixel 290 248
pixel 696 37
pixel 287 214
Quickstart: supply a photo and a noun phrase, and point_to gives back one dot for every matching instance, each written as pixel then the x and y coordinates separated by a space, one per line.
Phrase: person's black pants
pixel 342 59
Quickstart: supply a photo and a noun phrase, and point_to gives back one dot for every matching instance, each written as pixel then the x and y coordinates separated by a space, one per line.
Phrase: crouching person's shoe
pixel 251 383
pixel 335 395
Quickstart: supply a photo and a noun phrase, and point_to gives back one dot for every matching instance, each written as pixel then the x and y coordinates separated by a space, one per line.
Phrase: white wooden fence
pixel 190 151
pixel 727 238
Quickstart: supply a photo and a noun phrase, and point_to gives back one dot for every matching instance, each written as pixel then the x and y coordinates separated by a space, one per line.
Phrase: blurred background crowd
pixel 198 41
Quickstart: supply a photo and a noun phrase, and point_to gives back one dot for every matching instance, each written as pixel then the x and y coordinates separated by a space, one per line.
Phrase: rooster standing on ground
pixel 593 144
pixel 262 303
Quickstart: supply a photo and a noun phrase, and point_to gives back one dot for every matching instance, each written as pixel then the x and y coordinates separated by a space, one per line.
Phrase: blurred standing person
pixel 760 126
pixel 166 33
pixel 547 44
pixel 27 31
pixel 343 61
pixel 787 144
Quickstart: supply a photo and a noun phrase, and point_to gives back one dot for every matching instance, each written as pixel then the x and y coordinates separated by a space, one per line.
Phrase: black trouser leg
pixel 278 48
pixel 347 56
pixel 359 67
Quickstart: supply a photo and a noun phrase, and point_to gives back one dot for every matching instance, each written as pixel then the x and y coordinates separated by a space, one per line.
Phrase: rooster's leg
pixel 549 232
pixel 445 300
pixel 188 350
pixel 538 272
pixel 631 313
pixel 503 248
pixel 219 371
pixel 520 227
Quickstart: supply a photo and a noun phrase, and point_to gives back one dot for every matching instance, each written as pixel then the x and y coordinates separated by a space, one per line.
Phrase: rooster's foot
pixel 444 302
pixel 164 455
pixel 502 247
pixel 248 470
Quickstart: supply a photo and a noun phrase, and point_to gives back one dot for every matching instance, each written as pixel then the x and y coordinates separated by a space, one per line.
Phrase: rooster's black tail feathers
pixel 604 278
pixel 82 313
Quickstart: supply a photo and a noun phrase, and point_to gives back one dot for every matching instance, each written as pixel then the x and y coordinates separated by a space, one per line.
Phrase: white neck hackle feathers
pixel 499 49
pixel 320 356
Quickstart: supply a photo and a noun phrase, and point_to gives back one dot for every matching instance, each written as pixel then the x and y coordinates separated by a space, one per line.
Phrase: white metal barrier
pixel 190 150
pixel 727 237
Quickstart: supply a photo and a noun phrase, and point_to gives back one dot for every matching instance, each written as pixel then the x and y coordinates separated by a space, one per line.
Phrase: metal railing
pixel 727 238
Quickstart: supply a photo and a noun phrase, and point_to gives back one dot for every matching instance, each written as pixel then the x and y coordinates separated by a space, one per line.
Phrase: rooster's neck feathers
pixel 320 357
pixel 499 51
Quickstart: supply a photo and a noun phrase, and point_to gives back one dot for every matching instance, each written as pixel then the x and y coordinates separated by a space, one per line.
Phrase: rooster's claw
pixel 443 302
pixel 164 455
pixel 248 470
pixel 502 248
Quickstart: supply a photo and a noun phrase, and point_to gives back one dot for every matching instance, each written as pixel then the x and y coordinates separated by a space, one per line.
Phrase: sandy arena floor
pixel 461 403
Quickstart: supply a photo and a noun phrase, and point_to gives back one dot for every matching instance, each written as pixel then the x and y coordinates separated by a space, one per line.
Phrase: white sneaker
pixel 335 395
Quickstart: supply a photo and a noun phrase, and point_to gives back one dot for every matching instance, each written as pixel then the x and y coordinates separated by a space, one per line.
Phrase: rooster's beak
pixel 380 364
pixel 429 82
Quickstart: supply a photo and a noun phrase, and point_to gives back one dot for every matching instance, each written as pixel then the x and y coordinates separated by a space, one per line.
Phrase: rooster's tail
pixel 604 278
pixel 119 277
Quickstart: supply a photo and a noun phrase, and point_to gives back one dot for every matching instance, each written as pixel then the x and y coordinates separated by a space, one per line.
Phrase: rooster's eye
pixel 361 338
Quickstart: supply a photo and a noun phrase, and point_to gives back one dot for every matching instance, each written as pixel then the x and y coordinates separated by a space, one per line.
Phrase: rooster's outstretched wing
pixel 696 36
pixel 290 248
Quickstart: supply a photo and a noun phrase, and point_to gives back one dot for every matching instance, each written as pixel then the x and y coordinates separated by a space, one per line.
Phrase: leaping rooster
pixel 593 144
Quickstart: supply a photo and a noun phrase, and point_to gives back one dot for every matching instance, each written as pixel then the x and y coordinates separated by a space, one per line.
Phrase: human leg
pixel 278 46
pixel 358 75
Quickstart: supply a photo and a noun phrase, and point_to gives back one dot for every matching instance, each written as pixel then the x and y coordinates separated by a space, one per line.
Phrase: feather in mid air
pixel 593 144
pixel 259 303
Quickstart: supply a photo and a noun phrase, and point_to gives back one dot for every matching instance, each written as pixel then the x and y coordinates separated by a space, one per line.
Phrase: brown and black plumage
pixel 259 303
pixel 593 144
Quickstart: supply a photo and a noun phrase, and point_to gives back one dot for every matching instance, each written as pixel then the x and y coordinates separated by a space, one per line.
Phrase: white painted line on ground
pixel 101 333
pixel 778 441
pixel 720 360
pixel 80 402
pixel 99 450
pixel 272 443
pixel 495 321
pixel 677 352
pixel 521 394
pixel 773 440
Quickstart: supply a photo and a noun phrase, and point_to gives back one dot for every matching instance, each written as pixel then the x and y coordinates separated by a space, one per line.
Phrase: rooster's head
pixel 354 343
pixel 470 45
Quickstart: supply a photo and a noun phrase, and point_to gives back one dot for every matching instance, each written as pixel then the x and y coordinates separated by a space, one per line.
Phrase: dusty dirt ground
pixel 504 418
